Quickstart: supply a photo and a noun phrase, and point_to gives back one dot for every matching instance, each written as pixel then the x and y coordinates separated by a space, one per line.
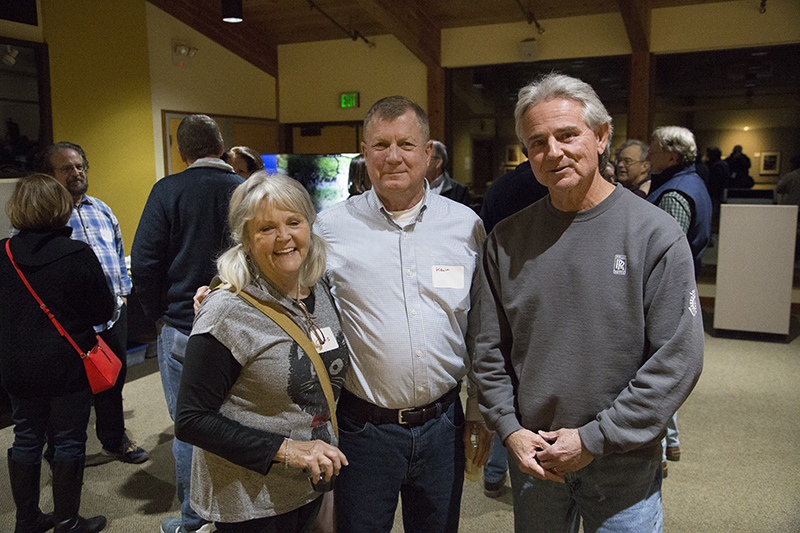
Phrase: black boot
pixel 67 484
pixel 25 490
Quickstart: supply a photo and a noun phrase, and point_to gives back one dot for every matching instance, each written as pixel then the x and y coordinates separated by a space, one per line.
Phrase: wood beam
pixel 416 31
pixel 636 14
pixel 244 39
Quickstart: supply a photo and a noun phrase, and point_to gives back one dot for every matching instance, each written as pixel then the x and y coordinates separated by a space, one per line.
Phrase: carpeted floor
pixel 739 471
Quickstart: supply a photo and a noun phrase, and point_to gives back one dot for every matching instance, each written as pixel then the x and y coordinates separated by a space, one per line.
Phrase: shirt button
pixel 419 354
pixel 408 272
pixel 420 389
pixel 413 312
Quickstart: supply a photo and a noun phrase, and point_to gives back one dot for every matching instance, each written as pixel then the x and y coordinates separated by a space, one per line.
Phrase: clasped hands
pixel 548 454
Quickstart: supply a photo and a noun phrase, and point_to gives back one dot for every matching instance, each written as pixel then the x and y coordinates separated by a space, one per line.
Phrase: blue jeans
pixel 172 343
pixel 66 418
pixel 423 464
pixel 617 493
pixel 496 468
pixel 672 436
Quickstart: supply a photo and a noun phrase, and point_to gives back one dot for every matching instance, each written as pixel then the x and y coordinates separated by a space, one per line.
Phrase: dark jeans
pixel 110 417
pixel 424 465
pixel 66 417
pixel 297 521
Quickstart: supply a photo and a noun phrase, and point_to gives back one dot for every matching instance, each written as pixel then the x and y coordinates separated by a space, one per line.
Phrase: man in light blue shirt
pixel 403 266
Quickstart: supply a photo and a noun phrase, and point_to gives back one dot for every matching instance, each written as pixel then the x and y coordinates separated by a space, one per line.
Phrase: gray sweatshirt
pixel 590 320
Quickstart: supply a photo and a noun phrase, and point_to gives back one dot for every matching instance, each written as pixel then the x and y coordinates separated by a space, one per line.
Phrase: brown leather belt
pixel 364 411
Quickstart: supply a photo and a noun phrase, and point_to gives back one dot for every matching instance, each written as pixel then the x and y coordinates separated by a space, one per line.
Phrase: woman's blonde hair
pixel 279 192
pixel 39 202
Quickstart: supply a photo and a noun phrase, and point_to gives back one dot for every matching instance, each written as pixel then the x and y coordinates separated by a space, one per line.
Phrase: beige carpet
pixel 740 438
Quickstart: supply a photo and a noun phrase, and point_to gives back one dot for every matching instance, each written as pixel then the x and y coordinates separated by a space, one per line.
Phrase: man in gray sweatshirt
pixel 591 334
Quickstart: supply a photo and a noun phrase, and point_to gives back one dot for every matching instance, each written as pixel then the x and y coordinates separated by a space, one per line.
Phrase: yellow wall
pixel 216 81
pixel 588 36
pixel 313 75
pixel 724 25
pixel 101 97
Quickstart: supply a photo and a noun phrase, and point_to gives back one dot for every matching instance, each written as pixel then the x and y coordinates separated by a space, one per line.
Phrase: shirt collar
pixel 215 162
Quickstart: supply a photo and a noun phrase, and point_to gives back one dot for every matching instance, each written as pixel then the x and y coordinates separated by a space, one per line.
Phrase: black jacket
pixel 35 360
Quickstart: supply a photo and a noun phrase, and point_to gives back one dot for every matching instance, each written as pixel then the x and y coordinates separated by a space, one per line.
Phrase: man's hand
pixel 199 296
pixel 485 439
pixel 525 447
pixel 566 453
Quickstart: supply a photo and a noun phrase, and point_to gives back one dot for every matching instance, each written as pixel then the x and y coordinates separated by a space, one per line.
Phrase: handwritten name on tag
pixel 330 341
pixel 448 277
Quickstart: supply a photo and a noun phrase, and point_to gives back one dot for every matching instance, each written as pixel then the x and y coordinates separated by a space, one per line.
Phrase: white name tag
pixel 330 341
pixel 448 277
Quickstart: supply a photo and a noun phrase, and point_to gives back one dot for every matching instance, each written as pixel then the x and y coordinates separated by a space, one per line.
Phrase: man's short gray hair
pixel 198 137
pixel 679 141
pixel 394 107
pixel 552 86
pixel 644 147
pixel 440 152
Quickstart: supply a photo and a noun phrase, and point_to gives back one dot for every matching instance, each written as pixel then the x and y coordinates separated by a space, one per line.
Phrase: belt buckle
pixel 400 415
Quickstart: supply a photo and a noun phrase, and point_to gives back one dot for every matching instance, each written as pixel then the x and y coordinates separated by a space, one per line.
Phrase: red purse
pixel 101 363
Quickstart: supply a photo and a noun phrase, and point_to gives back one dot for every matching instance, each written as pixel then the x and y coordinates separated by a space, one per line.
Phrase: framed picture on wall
pixel 770 163
pixel 513 154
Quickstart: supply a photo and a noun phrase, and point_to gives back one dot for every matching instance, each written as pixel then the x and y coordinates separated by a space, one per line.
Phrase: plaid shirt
pixel 93 223
pixel 678 206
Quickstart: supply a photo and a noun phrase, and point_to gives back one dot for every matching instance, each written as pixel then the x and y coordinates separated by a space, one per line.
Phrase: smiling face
pixel 397 158
pixel 69 170
pixel 564 153
pixel 278 241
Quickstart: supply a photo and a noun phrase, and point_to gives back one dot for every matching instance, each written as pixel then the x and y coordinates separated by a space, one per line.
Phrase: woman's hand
pixel 319 457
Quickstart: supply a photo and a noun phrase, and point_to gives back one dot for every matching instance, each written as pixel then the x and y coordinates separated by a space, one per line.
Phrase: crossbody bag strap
pixel 43 307
pixel 294 331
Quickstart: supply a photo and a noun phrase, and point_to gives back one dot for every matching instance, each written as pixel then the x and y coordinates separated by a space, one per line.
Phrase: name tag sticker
pixel 330 341
pixel 448 277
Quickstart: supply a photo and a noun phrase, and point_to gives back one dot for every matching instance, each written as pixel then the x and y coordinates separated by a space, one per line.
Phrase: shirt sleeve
pixel 209 372
pixel 677 206
pixel 674 331
pixel 493 350
pixel 124 278
pixel 473 325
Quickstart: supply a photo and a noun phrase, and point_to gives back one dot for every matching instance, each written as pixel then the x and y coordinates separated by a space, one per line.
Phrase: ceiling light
pixel 232 10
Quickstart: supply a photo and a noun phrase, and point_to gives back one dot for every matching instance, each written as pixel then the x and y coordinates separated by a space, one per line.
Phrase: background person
pixel 182 231
pixel 249 395
pixel 93 222
pixel 439 179
pixel 633 168
pixel 358 179
pixel 44 376
pixel 245 161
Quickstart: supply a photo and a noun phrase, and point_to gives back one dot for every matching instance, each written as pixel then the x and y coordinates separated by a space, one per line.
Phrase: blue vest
pixel 688 183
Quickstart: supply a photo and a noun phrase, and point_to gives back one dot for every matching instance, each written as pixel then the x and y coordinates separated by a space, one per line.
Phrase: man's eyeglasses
pixel 628 161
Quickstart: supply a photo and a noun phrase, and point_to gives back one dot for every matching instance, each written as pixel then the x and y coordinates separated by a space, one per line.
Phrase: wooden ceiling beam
pixel 636 16
pixel 411 25
pixel 244 39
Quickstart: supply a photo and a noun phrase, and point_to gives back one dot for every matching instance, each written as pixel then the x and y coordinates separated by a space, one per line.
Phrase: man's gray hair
pixel 440 152
pixel 276 192
pixel 679 141
pixel 43 162
pixel 644 147
pixel 394 107
pixel 198 137
pixel 552 86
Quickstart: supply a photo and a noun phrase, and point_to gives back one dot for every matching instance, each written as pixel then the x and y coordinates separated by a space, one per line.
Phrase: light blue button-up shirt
pixel 408 296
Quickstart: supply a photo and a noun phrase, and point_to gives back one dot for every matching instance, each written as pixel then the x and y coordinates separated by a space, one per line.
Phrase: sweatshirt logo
pixel 620 264
pixel 693 302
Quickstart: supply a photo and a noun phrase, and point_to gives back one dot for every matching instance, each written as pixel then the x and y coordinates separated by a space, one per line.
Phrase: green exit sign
pixel 350 100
